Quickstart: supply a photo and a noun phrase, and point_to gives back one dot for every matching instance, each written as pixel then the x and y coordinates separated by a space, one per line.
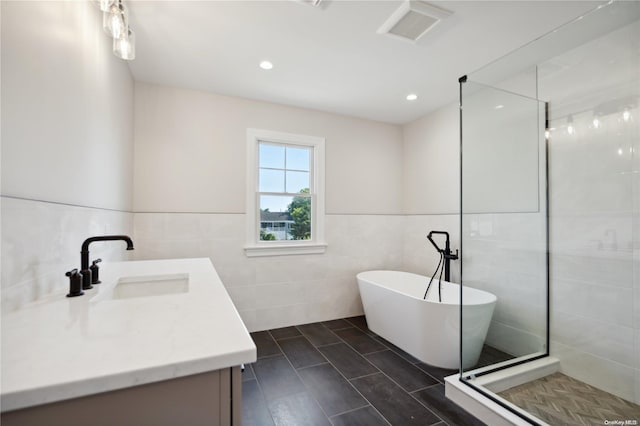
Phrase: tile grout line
pixel 313 365
pixel 407 392
pixel 367 375
pixel 395 350
pixel 300 378
pixel 402 388
pixel 428 408
pixel 352 410
pixel 349 382
pixel 286 338
pixel 377 352
pixel 329 344
pixel 426 387
pixel 267 356
pixel 429 374
pixel 264 398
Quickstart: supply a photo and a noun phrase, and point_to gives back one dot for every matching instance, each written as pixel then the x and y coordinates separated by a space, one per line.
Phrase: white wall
pixel 190 153
pixel 431 181
pixel 66 107
pixel 431 163
pixel 190 167
pixel 67 137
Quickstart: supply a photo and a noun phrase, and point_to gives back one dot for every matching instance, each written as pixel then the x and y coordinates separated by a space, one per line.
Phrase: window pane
pixel 271 180
pixel 298 158
pixel 297 181
pixel 285 218
pixel 271 156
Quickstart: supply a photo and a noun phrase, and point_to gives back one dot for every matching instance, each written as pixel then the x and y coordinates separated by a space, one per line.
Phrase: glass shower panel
pixel 504 225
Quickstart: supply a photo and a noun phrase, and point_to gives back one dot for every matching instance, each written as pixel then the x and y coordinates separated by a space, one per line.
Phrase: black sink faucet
pixel 84 255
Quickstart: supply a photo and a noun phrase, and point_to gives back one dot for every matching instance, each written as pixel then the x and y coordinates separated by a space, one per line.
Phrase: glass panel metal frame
pixel 467 377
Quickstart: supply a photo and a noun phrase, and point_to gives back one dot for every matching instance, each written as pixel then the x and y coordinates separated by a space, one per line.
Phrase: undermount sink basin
pixel 147 286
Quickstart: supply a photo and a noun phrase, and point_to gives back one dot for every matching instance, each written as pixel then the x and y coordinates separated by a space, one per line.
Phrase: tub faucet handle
pixel 451 256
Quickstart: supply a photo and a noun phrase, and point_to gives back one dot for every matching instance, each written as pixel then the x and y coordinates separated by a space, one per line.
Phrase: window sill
pixel 284 249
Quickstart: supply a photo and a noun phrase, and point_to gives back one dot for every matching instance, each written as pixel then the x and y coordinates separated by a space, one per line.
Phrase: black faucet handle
pixel 75 283
pixel 95 270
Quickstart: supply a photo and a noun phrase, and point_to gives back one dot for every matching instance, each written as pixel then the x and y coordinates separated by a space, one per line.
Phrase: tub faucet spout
pixel 446 253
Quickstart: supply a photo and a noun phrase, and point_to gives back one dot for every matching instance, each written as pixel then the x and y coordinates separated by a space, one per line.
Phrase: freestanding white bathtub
pixel 427 329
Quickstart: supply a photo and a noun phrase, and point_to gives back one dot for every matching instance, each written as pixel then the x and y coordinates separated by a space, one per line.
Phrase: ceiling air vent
pixel 412 20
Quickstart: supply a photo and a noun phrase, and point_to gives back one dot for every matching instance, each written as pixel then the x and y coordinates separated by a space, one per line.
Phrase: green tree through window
pixel 267 236
pixel 300 211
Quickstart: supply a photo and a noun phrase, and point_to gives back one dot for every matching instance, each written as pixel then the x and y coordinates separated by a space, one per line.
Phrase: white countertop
pixel 60 348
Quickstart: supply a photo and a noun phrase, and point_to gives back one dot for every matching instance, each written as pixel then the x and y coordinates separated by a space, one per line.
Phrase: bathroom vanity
pixel 157 343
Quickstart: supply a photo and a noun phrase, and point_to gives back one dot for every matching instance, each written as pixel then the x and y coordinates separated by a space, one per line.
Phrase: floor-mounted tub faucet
pixel 447 255
pixel 85 270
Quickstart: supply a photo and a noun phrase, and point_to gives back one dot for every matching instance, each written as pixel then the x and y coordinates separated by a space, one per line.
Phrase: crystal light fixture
pixel 114 20
pixel 105 5
pixel 125 47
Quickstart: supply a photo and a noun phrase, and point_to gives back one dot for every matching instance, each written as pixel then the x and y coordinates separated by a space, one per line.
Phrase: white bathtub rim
pixel 492 297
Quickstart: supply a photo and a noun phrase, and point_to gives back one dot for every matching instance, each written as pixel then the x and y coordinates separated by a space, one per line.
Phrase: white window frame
pixel 254 247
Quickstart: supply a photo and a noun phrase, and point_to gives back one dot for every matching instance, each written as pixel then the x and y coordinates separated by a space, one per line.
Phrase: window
pixel 285 193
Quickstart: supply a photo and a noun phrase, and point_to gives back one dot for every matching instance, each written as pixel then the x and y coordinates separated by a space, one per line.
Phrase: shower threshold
pixel 480 395
pixel 537 393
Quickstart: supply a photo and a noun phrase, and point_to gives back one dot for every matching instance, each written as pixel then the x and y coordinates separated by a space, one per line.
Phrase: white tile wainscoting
pixel 278 291
pixel 41 241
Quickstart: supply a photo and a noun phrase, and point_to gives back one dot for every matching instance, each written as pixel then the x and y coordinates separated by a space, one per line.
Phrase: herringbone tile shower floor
pixel 561 400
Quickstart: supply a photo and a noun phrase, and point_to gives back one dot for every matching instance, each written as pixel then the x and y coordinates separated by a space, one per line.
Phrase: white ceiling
pixel 330 58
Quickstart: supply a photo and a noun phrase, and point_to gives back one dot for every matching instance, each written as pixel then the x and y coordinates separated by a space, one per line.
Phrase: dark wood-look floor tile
pixel 300 352
pixel 299 409
pixel 366 416
pixel 350 363
pixel 336 324
pixel 254 407
pixel 285 332
pixel 318 334
pixel 334 394
pixel 491 355
pixel 407 375
pixel 451 413
pixel 360 341
pixel 396 405
pixel 276 377
pixel 397 350
pixel 361 323
pixel 436 372
pixel 265 344
pixel 247 374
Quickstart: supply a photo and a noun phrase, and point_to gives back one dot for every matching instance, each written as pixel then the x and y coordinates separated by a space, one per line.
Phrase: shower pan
pixel 550 224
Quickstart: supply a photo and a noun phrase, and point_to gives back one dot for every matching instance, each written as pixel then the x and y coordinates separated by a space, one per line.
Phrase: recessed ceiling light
pixel 266 65
pixel 499 106
pixel 412 97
